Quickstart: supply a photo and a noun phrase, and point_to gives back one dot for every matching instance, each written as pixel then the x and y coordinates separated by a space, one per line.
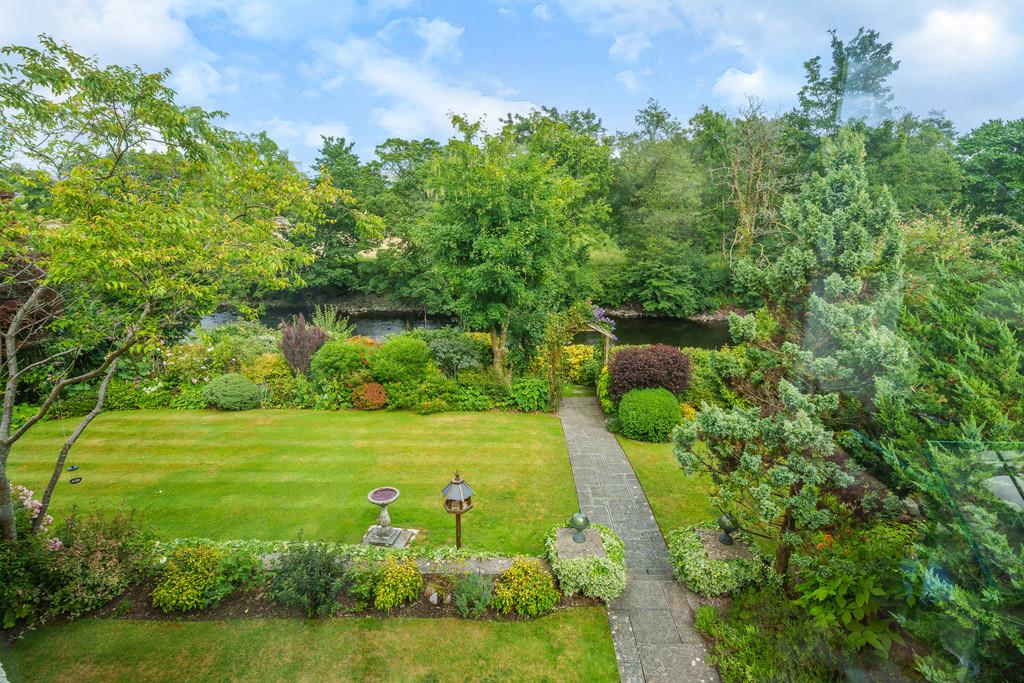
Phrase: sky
pixel 373 69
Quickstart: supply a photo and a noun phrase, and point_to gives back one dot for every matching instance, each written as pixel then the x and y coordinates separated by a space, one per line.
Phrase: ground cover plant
pixel 275 473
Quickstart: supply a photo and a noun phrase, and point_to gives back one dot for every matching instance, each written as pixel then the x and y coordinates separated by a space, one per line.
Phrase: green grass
pixel 270 474
pixel 569 645
pixel 676 499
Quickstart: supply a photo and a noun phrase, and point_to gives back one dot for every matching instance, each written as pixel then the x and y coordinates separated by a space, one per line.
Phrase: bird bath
pixel 382 533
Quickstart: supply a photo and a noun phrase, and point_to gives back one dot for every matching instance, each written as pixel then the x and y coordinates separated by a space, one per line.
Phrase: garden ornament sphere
pixel 727 525
pixel 580 522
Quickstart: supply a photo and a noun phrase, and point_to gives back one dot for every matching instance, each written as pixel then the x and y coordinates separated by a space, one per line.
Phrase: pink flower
pixel 54 544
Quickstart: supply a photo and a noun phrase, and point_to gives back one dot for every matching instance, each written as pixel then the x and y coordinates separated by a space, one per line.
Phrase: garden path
pixel 652 621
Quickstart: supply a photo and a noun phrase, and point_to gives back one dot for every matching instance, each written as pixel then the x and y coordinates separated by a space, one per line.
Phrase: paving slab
pixel 652 621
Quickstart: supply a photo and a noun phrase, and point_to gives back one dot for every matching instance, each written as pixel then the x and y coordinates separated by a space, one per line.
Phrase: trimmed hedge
pixel 233 392
pixel 704 576
pixel 649 415
pixel 401 359
pixel 647 367
pixel 595 577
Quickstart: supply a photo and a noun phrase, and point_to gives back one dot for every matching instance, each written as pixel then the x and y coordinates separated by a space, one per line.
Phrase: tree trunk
pixel 58 466
pixel 499 334
pixel 783 552
pixel 7 529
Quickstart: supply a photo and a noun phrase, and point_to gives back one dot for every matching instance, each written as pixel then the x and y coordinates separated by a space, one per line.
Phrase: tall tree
pixel 993 161
pixel 106 246
pixel 500 233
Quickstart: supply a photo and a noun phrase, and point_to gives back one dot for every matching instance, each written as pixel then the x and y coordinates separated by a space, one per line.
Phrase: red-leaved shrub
pixel 299 342
pixel 371 396
pixel 648 367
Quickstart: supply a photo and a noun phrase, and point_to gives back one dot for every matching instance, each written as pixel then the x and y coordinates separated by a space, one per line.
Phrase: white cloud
pixel 542 12
pixel 627 48
pixel 963 42
pixel 736 87
pixel 440 37
pixel 628 78
pixel 418 100
pixel 305 133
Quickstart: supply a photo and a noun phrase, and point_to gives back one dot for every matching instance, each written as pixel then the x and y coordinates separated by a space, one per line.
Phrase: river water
pixel 671 331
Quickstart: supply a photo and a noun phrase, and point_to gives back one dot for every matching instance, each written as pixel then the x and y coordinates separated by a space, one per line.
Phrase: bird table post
pixel 458 498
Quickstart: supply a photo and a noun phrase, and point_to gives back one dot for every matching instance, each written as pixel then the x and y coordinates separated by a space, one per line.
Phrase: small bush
pixel 711 374
pixel 271 371
pixel 400 583
pixel 187 364
pixel 648 367
pixel 23 568
pixel 309 576
pixel 401 359
pixel 603 396
pixel 339 361
pixel 574 357
pixel 300 342
pixel 649 415
pixel 525 589
pixel 589 371
pixel 528 394
pixel 233 392
pixel 595 577
pixel 472 399
pixel 233 352
pixel 93 560
pixel 703 575
pixel 454 351
pixel 189 579
pixel 123 395
pixel 361 578
pixel 431 406
pixel 472 595
pixel 190 398
pixel 370 396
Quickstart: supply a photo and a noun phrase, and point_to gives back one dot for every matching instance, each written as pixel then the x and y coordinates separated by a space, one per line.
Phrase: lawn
pixel 572 644
pixel 676 499
pixel 271 474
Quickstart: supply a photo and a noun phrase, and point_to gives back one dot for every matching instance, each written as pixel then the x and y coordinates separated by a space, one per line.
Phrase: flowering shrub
pixel 187 364
pixel 233 392
pixel 299 342
pixel 93 560
pixel 370 396
pixel 646 367
pixel 400 583
pixel 525 588
pixel 32 507
pixel 687 412
pixel 574 358
pixel 123 395
pixel 704 576
pixel 595 577
pixel 648 415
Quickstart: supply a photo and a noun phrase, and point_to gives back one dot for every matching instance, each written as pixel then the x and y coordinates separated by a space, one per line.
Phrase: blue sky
pixel 378 68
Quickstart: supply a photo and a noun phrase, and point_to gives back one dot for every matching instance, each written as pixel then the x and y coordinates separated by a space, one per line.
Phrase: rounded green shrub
pixel 525 588
pixel 233 392
pixel 595 577
pixel 188 579
pixel 649 414
pixel 338 361
pixel 401 359
pixel 271 371
pixel 399 583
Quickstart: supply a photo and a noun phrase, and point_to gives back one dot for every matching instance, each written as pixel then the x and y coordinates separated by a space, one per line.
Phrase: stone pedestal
pixel 389 536
pixel 569 549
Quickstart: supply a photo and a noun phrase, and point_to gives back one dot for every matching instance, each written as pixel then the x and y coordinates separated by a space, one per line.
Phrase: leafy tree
pixel 993 161
pixel 656 123
pixel 855 88
pixel 107 246
pixel 500 233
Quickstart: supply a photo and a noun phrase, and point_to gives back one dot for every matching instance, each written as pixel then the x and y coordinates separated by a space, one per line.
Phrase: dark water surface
pixel 671 331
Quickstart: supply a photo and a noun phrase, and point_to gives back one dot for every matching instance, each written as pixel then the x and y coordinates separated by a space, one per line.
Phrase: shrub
pixel 528 394
pixel 525 588
pixel 93 560
pixel 370 396
pixel 647 367
pixel 339 361
pixel 430 406
pixel 472 595
pixel 233 392
pixel 188 580
pixel 704 576
pixel 401 359
pixel 329 319
pixel 472 399
pixel 190 398
pixel 454 351
pixel 649 414
pixel 299 342
pixel 187 364
pixel 589 371
pixel 123 395
pixel 233 352
pixel 595 577
pixel 271 371
pixel 23 566
pixel 361 578
pixel 603 396
pixel 574 357
pixel 710 376
pixel 309 576
pixel 400 583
